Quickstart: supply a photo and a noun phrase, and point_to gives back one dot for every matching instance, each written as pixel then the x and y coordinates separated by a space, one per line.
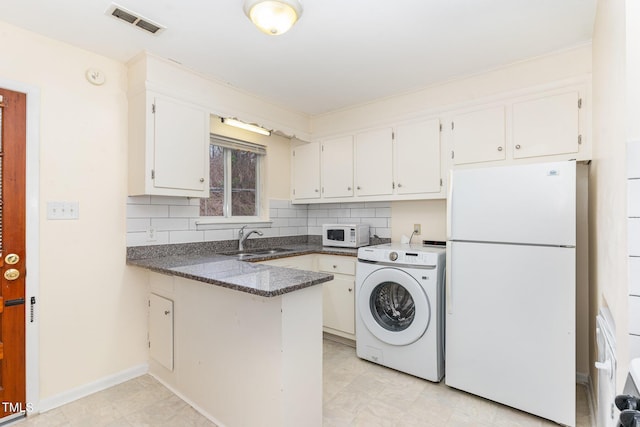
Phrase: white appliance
pixel 399 308
pixel 606 365
pixel 345 235
pixel 511 292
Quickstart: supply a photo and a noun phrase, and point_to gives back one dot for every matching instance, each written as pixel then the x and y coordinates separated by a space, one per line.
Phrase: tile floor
pixel 356 393
pixel 360 393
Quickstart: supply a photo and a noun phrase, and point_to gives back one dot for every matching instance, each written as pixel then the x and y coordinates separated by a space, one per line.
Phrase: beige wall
pixel 608 175
pixel 430 214
pixel 92 314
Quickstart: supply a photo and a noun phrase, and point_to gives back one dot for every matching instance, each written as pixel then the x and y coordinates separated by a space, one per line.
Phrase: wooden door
pixel 12 252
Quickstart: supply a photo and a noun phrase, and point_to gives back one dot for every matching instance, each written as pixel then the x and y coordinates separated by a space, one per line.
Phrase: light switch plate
pixel 63 210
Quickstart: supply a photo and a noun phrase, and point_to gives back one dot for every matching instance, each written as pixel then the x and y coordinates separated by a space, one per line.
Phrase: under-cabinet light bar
pixel 246 126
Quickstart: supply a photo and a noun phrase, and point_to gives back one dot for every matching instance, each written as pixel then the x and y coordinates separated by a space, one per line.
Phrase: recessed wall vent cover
pixel 133 18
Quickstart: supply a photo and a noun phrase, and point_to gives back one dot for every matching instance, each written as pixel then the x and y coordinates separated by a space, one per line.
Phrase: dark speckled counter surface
pixel 246 276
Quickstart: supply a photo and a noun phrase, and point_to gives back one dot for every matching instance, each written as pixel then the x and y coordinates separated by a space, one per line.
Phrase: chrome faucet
pixel 243 237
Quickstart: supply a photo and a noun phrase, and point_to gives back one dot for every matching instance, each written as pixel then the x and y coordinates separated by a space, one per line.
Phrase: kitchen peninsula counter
pixel 223 269
pixel 245 344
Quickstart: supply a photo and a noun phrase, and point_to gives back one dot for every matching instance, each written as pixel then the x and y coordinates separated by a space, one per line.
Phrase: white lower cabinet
pixel 338 295
pixel 161 330
pixel 338 303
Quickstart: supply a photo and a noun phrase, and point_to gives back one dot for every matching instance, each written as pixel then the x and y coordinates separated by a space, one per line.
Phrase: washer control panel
pixel 402 254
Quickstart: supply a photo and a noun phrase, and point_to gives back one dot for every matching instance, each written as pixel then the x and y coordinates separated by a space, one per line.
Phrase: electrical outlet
pixel 417 229
pixel 151 234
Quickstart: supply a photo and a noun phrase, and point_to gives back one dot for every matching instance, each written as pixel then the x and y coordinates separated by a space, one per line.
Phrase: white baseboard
pixel 87 389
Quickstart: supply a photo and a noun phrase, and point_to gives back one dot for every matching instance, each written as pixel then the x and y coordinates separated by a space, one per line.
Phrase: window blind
pixel 237 144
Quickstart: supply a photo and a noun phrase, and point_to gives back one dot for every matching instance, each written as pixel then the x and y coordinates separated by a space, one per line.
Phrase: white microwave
pixel 345 235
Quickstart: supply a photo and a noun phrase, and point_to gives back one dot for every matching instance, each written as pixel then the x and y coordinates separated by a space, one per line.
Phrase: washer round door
pixel 394 306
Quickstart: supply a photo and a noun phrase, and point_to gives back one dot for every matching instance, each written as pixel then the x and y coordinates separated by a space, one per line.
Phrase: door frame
pixel 32 280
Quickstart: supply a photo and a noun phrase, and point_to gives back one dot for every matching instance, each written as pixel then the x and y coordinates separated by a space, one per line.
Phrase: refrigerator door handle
pixel 449 205
pixel 447 280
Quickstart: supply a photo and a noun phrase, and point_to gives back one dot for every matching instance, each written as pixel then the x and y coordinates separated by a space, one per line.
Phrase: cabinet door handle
pixel 499 148
pixel 348 188
pixel 335 266
pixel 201 179
pixel 518 147
pixel 350 289
pixel 399 185
pixel 358 187
pixel 166 312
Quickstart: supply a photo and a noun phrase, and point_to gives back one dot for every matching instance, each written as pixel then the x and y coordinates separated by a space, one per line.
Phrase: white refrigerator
pixel 511 286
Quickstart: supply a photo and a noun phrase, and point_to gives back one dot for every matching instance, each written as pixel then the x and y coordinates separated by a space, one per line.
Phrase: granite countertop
pixel 224 269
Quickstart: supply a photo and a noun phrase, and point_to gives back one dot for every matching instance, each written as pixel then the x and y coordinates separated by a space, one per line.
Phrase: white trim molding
pixel 93 387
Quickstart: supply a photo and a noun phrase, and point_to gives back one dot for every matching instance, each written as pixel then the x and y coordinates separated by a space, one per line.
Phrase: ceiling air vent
pixel 133 18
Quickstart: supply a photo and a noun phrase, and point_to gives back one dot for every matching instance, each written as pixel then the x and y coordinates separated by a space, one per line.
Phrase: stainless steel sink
pixel 270 251
pixel 253 253
pixel 242 256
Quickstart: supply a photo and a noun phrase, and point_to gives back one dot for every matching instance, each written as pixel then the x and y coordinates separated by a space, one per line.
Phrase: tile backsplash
pixel 159 220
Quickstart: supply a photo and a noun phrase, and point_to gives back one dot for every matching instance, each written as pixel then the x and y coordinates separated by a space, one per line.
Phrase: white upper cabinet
pixel 373 165
pixel 417 157
pixel 168 146
pixel 337 167
pixel 305 164
pixel 479 136
pixel 542 125
pixel 181 136
pixel 409 159
pixel 546 126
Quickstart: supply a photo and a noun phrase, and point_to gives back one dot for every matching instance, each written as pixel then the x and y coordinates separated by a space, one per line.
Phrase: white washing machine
pixel 400 308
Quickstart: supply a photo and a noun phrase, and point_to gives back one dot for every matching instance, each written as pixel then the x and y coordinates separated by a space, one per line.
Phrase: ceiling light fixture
pixel 246 126
pixel 273 17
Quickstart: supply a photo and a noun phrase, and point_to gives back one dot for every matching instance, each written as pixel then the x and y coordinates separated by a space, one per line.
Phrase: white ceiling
pixel 340 53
